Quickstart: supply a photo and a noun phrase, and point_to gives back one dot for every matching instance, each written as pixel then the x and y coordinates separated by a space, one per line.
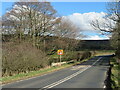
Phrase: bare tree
pixel 32 18
pixel 111 24
pixel 67 29
pixel 110 20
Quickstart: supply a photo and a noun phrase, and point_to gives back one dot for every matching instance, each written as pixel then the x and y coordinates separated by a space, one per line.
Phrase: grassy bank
pixel 115 78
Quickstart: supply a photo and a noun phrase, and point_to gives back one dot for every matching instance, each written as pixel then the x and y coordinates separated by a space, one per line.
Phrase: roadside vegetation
pixel 115 74
pixel 31 74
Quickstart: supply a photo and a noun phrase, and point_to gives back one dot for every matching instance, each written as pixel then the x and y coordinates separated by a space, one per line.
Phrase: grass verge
pixel 115 78
pixel 104 52
pixel 31 74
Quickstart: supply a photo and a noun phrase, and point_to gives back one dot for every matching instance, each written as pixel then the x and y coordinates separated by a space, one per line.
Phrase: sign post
pixel 60 52
pixel 60 60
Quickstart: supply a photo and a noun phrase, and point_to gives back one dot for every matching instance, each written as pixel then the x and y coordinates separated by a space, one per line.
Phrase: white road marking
pixel 68 77
pixel 65 79
pixel 79 67
pixel 96 61
pixel 104 86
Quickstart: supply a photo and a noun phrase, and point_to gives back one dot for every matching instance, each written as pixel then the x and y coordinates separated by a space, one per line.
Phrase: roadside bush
pixel 21 58
pixel 115 73
pixel 117 53
pixel 83 55
pixel 53 60
pixel 68 56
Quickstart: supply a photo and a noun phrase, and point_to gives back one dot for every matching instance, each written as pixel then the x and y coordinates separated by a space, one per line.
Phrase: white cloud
pixel 96 37
pixel 83 20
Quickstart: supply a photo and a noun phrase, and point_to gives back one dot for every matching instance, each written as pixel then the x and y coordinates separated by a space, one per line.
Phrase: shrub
pixel 21 58
pixel 68 56
pixel 117 53
pixel 83 55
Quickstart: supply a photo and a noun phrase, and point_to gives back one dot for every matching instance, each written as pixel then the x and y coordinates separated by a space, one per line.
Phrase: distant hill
pixel 94 45
pixel 82 45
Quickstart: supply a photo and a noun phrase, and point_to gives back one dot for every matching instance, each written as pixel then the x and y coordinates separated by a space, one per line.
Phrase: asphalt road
pixel 90 74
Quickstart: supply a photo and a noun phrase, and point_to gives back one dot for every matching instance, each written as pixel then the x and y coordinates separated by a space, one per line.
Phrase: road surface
pixel 90 74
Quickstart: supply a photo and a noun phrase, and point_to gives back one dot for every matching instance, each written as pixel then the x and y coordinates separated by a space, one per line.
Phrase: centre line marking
pixel 68 77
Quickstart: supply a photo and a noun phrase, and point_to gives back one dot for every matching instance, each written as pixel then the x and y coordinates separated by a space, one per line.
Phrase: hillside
pixel 94 45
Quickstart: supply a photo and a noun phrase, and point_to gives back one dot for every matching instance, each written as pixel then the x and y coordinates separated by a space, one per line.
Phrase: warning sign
pixel 60 52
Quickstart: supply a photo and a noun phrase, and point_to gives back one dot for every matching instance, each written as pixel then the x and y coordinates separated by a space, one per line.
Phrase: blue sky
pixel 5 7
pixel 70 8
pixel 67 8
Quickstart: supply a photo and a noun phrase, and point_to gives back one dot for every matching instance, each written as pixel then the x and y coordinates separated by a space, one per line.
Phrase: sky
pixel 68 8
pixel 80 13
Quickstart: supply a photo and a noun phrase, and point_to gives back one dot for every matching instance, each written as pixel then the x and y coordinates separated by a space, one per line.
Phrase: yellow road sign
pixel 60 52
